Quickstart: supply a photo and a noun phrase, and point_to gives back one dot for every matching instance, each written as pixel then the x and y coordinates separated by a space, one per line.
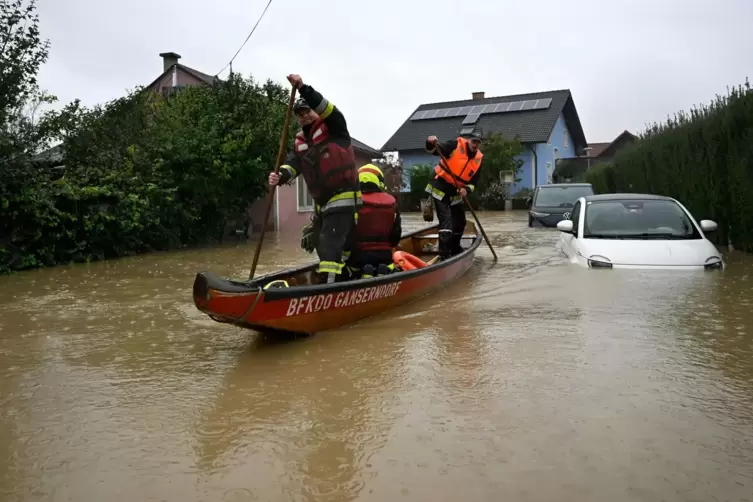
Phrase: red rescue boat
pixel 302 306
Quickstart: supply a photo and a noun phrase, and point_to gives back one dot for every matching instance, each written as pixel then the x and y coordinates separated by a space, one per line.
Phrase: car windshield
pixel 638 219
pixel 561 196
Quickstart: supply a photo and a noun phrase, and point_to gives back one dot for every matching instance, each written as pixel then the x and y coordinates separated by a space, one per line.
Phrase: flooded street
pixel 527 380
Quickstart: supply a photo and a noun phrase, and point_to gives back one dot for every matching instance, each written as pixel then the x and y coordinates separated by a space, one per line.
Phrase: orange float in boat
pixel 407 261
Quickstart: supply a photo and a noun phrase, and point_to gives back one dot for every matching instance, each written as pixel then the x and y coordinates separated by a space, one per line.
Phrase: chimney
pixel 169 59
pixel 477 96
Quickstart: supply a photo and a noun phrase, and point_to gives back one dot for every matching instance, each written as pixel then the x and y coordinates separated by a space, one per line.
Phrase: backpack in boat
pixel 427 208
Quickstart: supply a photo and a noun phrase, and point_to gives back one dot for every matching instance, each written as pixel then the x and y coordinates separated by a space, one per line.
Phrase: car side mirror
pixel 528 202
pixel 708 225
pixel 565 226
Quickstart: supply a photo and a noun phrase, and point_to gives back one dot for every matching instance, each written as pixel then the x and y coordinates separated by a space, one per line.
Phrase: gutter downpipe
pixel 535 166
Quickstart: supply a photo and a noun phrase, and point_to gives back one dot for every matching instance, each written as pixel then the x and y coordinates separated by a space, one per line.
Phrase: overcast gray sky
pixel 627 63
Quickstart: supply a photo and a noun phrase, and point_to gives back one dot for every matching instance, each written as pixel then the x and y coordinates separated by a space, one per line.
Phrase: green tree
pixel 142 172
pixel 22 52
pixel 500 158
pixel 420 175
pixel 392 168
pixel 24 188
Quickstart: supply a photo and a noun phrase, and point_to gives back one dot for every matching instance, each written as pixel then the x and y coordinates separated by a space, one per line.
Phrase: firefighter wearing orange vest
pixel 379 226
pixel 464 161
pixel 323 154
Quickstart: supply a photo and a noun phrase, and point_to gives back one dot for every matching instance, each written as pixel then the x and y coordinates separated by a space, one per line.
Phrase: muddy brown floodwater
pixel 526 380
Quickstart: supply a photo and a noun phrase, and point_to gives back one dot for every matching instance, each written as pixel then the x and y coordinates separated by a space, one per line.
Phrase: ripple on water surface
pixel 528 379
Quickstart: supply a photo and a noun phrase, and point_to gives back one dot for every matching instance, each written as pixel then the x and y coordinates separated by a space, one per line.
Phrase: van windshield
pixel 561 196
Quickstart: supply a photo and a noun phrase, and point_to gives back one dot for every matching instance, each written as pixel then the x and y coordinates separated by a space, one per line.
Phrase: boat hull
pixel 310 309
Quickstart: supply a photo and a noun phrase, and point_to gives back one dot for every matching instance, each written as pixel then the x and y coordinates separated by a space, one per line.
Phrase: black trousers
pixel 451 226
pixel 336 233
pixel 374 258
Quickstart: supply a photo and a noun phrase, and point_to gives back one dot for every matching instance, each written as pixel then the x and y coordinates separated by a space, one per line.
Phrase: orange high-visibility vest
pixel 461 166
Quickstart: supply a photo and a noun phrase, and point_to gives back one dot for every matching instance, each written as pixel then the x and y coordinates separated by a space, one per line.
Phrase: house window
pixel 304 200
pixel 564 140
pixel 505 177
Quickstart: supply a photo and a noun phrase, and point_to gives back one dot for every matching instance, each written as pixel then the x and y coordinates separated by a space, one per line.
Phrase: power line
pixel 244 42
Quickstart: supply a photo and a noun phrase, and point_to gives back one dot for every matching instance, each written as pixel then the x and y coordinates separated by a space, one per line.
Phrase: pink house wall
pixel 286 216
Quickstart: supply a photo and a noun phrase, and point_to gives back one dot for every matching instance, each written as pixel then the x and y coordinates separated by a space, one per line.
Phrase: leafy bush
pixel 601 177
pixel 420 175
pixel 142 172
pixel 492 198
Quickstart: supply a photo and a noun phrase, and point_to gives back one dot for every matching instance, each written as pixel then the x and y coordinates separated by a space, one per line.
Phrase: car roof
pixel 625 196
pixel 562 185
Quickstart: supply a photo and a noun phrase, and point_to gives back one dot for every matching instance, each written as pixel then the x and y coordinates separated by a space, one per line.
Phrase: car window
pixel 575 217
pixel 560 196
pixel 638 219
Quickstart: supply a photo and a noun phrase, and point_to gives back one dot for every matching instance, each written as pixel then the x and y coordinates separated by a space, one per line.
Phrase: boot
pixel 455 245
pixel 326 277
pixel 383 269
pixel 367 271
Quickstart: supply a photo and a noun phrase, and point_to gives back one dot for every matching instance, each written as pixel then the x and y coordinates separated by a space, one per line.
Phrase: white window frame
pixel 308 203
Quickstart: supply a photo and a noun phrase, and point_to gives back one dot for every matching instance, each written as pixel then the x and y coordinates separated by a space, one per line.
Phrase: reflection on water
pixel 528 379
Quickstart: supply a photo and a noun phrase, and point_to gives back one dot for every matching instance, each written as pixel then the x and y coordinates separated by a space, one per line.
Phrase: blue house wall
pixel 525 174
pixel 560 145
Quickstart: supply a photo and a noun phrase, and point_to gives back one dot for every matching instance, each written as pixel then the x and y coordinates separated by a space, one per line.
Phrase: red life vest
pixel 327 167
pixel 375 219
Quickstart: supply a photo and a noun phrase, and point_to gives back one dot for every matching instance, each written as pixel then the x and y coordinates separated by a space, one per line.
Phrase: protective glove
pixel 308 238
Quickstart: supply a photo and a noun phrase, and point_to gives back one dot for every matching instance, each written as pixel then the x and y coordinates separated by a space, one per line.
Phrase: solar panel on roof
pixel 473 112
pixel 543 103
pixel 515 106
pixel 471 118
pixel 466 130
pixel 502 107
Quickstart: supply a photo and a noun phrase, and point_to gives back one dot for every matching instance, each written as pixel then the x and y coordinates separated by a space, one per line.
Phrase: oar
pixel 465 198
pixel 271 196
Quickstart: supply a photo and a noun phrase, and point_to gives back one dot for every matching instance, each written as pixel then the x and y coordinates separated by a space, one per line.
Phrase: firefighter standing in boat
pixel 323 155
pixel 379 227
pixel 464 161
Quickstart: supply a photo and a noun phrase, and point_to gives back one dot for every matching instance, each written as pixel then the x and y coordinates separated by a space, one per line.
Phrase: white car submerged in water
pixel 636 231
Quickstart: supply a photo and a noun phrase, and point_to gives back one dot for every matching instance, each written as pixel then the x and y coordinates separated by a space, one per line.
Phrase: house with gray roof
pixel 546 123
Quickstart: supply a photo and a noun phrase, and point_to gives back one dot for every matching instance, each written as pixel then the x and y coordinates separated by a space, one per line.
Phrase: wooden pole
pixel 271 196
